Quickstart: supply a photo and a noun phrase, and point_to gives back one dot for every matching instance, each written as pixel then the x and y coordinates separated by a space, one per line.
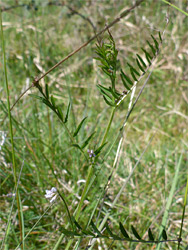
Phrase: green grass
pixel 34 42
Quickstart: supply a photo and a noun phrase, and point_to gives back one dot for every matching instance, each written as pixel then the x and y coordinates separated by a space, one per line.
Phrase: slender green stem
pixel 8 103
pixel 108 127
pixel 169 202
pixel 68 132
pixel 20 244
pixel 120 192
pixel 174 6
pixel 77 213
pixel 84 192
pixel 90 171
pixel 88 180
pixel 66 206
pixel 183 213
pixel 10 127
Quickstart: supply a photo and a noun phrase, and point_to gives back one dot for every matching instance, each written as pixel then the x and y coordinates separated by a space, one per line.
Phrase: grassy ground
pixel 36 39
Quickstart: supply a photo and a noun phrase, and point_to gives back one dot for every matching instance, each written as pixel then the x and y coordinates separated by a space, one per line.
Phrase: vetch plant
pixel 107 56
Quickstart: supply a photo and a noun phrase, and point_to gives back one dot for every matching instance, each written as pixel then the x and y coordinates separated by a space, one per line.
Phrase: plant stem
pixel 84 192
pixel 88 179
pixel 108 127
pixel 174 6
pixel 183 213
pixel 11 129
pixel 169 202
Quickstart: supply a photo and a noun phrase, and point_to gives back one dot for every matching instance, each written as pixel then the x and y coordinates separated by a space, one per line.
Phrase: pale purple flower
pixel 3 137
pixel 51 194
pixel 91 153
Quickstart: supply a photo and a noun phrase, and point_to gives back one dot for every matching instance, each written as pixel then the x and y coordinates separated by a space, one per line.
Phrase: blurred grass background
pixel 37 36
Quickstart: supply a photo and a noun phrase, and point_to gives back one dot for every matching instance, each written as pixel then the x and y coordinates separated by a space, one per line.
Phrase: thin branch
pixel 90 40
pixel 13 7
pixel 37 79
pixel 16 102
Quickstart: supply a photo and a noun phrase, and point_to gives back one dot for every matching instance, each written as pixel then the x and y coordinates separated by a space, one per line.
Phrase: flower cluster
pixel 91 153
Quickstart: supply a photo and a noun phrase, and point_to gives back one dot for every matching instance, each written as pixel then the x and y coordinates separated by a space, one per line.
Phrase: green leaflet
pixel 95 229
pixel 106 71
pixel 87 140
pixel 156 43
pixel 97 151
pixel 148 59
pixel 150 235
pixel 148 56
pixel 60 113
pixel 164 235
pixel 48 104
pixel 109 102
pixel 36 96
pixel 77 146
pixel 47 91
pixel 133 69
pixel 39 88
pixel 69 233
pixel 139 65
pixel 124 82
pixel 67 113
pixel 133 75
pixel 135 233
pixel 104 91
pixel 53 101
pixel 114 236
pixel 76 223
pixel 160 37
pixel 79 127
pixel 151 46
pixel 123 231
pixel 114 93
pixel 146 53
pixel 141 60
pixel 126 78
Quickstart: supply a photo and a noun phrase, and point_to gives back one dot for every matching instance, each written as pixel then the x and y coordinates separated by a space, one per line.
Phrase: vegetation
pixel 93 140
